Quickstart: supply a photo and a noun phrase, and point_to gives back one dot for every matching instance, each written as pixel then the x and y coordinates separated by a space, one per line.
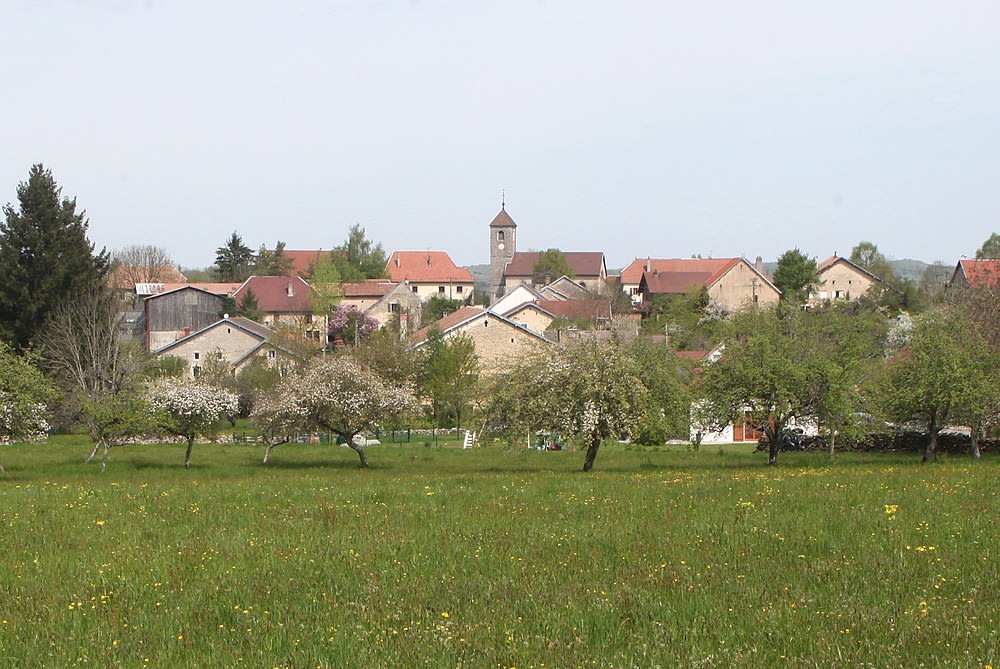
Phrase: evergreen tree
pixel 45 256
pixel 233 260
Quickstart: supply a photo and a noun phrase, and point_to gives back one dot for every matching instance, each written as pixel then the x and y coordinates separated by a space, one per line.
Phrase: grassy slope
pixel 495 558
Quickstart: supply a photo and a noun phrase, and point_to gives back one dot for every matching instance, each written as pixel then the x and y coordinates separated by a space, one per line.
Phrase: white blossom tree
pixel 589 390
pixel 339 395
pixel 24 396
pixel 189 409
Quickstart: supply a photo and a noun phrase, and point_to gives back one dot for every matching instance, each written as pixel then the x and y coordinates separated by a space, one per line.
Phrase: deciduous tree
pixel 358 258
pixel 990 248
pixel 141 263
pixel 337 394
pixel 450 373
pixel 189 409
pixel 25 394
pixel 587 390
pixel 551 264
pixel 795 275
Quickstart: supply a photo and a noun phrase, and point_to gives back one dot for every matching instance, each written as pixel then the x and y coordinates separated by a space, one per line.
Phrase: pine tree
pixel 234 260
pixel 45 256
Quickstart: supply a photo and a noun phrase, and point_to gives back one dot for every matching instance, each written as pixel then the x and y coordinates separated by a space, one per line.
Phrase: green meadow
pixel 495 557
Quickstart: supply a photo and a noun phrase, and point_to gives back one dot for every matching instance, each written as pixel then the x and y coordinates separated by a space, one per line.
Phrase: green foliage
pixel 390 356
pixel 233 260
pixel 358 258
pixel 795 275
pixel 588 391
pixel 669 402
pixel 551 264
pixel 947 372
pixel 437 307
pixel 782 366
pixel 25 394
pixel 683 319
pixel 248 307
pixel 44 257
pixel 325 282
pixel 867 256
pixel 272 263
pixel 450 373
pixel 116 419
pixel 990 248
pixel 165 367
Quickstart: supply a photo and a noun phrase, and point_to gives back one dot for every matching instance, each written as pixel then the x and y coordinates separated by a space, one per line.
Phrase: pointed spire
pixel 503 198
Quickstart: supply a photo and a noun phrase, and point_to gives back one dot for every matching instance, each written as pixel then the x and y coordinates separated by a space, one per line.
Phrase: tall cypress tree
pixel 45 256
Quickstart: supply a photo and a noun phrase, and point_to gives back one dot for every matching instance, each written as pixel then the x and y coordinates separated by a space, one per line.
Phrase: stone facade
pixel 503 245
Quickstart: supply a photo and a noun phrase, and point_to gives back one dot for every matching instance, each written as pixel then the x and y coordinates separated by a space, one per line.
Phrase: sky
pixel 659 128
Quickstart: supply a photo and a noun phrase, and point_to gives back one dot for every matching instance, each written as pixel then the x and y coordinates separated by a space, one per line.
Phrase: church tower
pixel 503 243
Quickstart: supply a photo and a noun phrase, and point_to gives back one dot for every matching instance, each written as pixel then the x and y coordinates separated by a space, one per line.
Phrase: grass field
pixel 438 557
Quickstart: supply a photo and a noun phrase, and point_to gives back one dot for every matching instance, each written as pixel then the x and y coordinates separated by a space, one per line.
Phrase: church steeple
pixel 503 244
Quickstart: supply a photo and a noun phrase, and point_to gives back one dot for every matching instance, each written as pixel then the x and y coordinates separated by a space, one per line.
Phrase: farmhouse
pixel 731 282
pixel 498 340
pixel 429 274
pixel 841 279
pixel 235 339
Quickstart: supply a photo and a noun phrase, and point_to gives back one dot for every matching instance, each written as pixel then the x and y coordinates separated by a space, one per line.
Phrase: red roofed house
pixel 430 273
pixel 540 315
pixel 285 301
pixel 386 302
pixel 969 273
pixel 732 282
pixel 498 340
pixel 303 260
pixel 589 270
pixel 841 279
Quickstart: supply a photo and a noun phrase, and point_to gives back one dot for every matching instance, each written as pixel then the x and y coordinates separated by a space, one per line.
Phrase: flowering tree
pixel 114 420
pixel 590 390
pixel 351 325
pixel 24 396
pixel 188 408
pixel 339 395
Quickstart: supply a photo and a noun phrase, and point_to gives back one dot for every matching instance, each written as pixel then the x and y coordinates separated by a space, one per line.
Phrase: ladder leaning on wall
pixel 470 439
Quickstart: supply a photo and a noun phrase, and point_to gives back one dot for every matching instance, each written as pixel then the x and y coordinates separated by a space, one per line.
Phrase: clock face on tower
pixel 500 246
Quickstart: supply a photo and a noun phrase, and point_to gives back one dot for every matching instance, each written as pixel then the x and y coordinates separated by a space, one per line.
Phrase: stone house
pixel 841 279
pixel 590 271
pixel 499 341
pixel 235 339
pixel 731 282
pixel 429 274
pixel 286 302
pixel 173 314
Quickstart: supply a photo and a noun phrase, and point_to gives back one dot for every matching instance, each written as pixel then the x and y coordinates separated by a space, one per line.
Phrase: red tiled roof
pixel 583 263
pixel 369 288
pixel 675 283
pixel 985 272
pixel 577 309
pixel 426 267
pixel 692 355
pixel 303 260
pixel 214 288
pixel 711 266
pixel 272 293
pixel 447 322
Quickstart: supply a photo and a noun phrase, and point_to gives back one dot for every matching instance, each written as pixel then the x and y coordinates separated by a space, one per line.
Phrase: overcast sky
pixel 639 129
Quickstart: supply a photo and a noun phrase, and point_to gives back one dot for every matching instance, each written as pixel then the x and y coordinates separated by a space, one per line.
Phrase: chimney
pixel 428 260
pixel 647 264
pixel 397 260
pixel 290 290
pixel 758 264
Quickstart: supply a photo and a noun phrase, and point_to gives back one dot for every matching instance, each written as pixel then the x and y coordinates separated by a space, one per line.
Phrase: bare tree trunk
pixel 90 458
pixel 270 445
pixel 833 443
pixel 975 441
pixel 931 452
pixel 772 445
pixel 359 450
pixel 104 458
pixel 595 443
pixel 187 455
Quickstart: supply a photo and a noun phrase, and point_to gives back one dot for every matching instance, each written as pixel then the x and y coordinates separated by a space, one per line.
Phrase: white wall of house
pixel 450 291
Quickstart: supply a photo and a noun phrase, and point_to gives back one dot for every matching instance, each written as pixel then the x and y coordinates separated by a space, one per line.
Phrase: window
pixel 458 289
pixel 277 317
pixel 196 371
pixel 394 307
pixel 441 290
pixel 309 318
pixel 499 235
pixel 414 289
pixel 197 356
pixel 272 354
pixel 229 331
